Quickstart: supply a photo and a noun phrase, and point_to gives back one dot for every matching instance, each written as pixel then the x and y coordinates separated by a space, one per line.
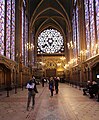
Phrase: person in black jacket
pixel 43 82
pixel 32 90
pixel 94 89
pixel 87 88
pixel 51 85
pixel 56 79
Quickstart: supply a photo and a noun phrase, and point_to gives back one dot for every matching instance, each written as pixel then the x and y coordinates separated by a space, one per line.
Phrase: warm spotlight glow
pixel 62 58
pixel 42 63
pixel 66 66
pixel 58 64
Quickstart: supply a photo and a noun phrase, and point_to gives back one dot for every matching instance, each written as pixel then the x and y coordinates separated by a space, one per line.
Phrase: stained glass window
pixel 90 27
pixel 2 15
pixel 32 47
pixel 26 40
pixel 50 41
pixel 8 28
pixel 74 33
pixel 13 31
pixel 25 44
pixel 23 57
pixel 87 28
pixel 97 21
pixel 77 23
pixel 75 26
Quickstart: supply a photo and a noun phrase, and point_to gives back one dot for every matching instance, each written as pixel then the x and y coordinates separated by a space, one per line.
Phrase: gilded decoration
pixel 51 62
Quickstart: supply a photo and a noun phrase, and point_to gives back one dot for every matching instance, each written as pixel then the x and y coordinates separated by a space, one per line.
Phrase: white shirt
pixel 30 86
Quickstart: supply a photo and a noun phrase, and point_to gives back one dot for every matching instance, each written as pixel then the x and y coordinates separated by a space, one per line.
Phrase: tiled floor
pixel 69 104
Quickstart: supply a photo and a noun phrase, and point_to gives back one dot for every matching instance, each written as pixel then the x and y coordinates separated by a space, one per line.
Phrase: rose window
pixel 50 41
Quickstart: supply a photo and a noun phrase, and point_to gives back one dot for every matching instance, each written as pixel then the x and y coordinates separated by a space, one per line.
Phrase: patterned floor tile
pixel 69 104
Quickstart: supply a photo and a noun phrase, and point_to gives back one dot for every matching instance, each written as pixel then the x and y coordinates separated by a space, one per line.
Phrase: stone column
pixel 18 40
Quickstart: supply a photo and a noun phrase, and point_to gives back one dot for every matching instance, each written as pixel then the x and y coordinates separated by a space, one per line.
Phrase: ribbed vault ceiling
pixel 50 14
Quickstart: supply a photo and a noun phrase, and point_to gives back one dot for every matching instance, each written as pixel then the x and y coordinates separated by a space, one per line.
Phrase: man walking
pixel 32 90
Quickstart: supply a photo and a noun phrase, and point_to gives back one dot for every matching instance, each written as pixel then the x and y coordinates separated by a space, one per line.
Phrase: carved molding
pixel 9 63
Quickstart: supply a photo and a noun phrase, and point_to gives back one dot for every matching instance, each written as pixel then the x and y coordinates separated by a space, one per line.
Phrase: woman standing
pixel 51 85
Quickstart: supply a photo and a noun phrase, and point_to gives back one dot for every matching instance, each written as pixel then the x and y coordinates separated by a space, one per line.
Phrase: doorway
pixel 50 72
pixel 5 76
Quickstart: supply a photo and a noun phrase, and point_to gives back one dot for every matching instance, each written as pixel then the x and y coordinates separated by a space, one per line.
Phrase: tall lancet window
pixel 2 20
pixel 25 44
pixel 87 28
pixel 32 47
pixel 90 27
pixel 23 34
pixel 23 31
pixel 97 22
pixel 26 41
pixel 75 25
pixel 7 28
pixel 74 33
pixel 10 29
pixel 13 31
